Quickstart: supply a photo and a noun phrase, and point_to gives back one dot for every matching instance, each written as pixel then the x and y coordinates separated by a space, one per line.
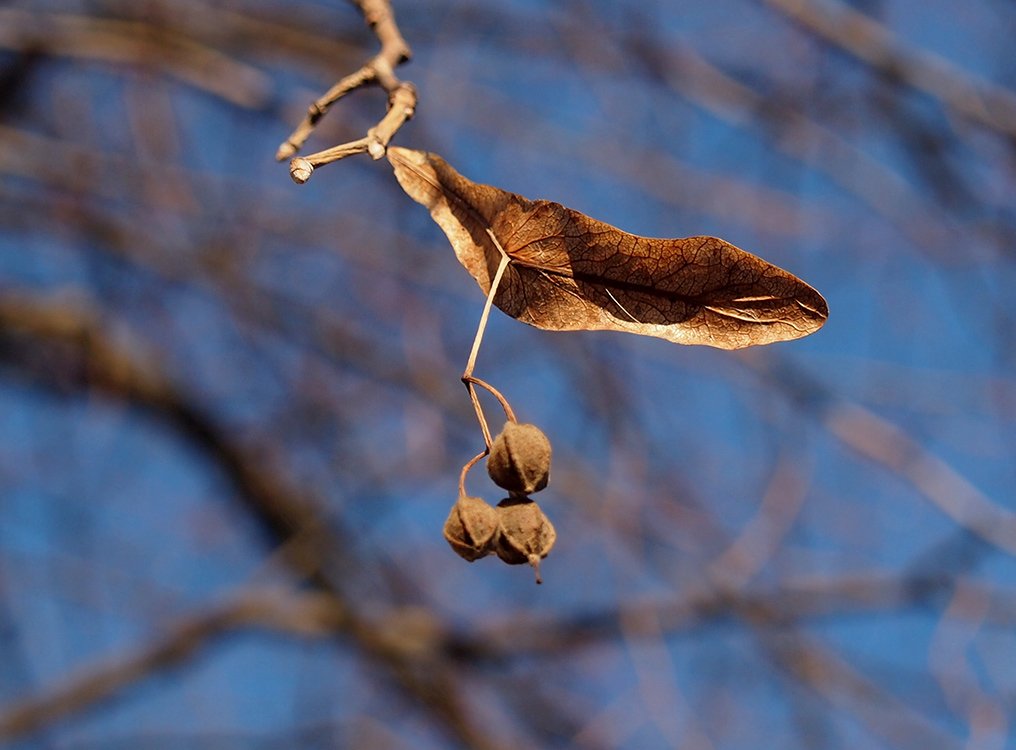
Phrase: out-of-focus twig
pixel 89 357
pixel 136 43
pixel 379 70
pixel 949 661
pixel 655 170
pixel 73 168
pixel 794 601
pixel 884 443
pixel 839 683
pixel 890 446
pixel 304 614
pixel 985 103
pixel 761 536
pixel 873 183
pixel 282 31
pixel 65 343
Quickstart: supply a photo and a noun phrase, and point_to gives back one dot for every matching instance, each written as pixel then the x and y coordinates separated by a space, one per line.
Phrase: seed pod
pixel 525 534
pixel 519 458
pixel 471 528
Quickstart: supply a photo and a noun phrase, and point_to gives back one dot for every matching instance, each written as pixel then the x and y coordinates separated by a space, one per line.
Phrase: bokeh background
pixel 231 422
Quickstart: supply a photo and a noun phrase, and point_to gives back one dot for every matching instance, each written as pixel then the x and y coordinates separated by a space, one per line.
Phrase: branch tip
pixel 300 170
pixel 285 151
pixel 380 70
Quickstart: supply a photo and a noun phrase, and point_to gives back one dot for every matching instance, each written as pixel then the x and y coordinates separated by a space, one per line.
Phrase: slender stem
pixel 467 375
pixel 487 440
pixel 467 467
pixel 508 411
pixel 471 363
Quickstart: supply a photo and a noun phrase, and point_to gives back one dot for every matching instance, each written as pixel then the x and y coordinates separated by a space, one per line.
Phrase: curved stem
pixel 508 411
pixel 467 467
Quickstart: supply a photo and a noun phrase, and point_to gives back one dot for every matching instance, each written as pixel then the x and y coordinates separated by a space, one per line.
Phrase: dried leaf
pixel 570 272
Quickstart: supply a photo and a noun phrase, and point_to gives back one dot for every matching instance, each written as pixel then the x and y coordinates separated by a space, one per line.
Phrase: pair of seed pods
pixel 516 530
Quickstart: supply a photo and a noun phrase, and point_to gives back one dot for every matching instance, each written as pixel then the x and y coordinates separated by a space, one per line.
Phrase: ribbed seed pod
pixel 519 458
pixel 471 528
pixel 525 534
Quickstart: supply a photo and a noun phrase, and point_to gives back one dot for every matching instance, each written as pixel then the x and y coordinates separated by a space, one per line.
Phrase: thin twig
pixel 380 71
pixel 467 467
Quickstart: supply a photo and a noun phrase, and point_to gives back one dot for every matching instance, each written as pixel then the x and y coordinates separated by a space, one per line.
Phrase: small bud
pixel 471 527
pixel 525 534
pixel 519 458
pixel 300 170
pixel 285 151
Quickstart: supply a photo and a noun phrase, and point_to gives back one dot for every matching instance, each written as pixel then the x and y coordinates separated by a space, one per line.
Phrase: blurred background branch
pixel 232 422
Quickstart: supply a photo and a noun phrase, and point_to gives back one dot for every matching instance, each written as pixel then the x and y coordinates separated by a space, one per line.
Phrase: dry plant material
pixel 471 528
pixel 378 71
pixel 525 534
pixel 519 459
pixel 566 271
pixel 557 269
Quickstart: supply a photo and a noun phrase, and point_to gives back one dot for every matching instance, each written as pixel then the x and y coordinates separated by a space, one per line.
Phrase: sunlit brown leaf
pixel 570 272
